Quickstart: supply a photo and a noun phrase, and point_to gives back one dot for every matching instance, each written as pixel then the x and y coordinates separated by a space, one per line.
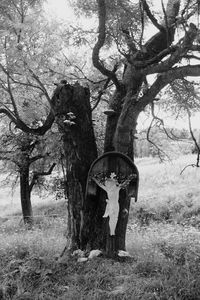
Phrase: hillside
pixel 162 237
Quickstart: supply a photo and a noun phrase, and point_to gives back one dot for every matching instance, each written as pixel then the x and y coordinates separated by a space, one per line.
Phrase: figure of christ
pixel 112 188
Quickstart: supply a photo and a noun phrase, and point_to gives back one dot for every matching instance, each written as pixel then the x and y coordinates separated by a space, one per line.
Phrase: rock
pixel 94 253
pixel 82 259
pixel 78 253
pixel 122 253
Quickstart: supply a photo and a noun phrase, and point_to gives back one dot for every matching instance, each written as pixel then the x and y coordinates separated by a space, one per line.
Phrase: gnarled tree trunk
pixel 121 126
pixel 127 102
pixel 71 105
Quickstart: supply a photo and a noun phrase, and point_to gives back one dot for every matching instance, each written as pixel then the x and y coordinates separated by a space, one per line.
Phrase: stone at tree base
pixel 122 253
pixel 82 259
pixel 94 253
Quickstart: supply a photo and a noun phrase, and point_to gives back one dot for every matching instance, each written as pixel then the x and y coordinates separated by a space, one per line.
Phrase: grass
pixel 163 238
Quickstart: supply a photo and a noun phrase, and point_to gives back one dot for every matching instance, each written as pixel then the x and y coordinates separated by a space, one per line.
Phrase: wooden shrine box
pixel 122 168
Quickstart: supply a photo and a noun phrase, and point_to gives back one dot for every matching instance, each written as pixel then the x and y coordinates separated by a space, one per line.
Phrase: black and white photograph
pixel 99 150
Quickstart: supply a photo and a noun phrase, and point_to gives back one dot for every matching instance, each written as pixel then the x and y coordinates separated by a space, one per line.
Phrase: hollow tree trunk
pixel 71 105
pixel 25 196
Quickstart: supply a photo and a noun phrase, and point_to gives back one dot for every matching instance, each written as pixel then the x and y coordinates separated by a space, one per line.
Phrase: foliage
pixel 182 96
pixel 26 84
pixel 121 15
pixel 141 66
pixel 163 142
pixel 18 148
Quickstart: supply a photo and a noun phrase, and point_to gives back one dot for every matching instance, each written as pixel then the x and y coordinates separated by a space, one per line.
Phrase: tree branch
pixel 14 116
pixel 193 137
pixel 176 56
pixel 38 174
pixel 21 125
pixel 37 79
pixel 151 16
pixel 9 114
pixel 161 154
pixel 157 58
pixel 99 44
pixel 35 158
pixel 161 40
pixel 195 142
pixel 161 122
pixel 102 91
pixel 164 79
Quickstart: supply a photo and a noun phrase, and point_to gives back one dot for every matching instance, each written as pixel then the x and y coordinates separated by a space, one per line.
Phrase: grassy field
pixel 163 238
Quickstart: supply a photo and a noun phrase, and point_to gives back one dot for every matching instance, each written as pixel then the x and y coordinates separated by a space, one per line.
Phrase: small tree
pixel 21 153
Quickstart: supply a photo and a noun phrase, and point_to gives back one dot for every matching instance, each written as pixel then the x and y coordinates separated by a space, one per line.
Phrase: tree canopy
pixel 142 64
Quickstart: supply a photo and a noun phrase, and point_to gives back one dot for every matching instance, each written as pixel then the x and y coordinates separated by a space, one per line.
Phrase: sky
pixel 60 9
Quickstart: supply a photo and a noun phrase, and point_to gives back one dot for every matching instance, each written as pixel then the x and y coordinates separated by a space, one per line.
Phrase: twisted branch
pixel 99 44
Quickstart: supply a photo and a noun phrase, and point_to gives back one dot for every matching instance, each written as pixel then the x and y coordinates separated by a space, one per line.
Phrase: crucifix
pixel 112 188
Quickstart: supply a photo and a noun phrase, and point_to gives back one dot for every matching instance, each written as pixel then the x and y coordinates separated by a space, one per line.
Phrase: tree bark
pixel 121 127
pixel 112 119
pixel 127 103
pixel 25 196
pixel 71 104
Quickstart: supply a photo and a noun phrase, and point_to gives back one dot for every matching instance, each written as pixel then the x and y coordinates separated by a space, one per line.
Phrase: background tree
pixel 26 158
pixel 27 54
